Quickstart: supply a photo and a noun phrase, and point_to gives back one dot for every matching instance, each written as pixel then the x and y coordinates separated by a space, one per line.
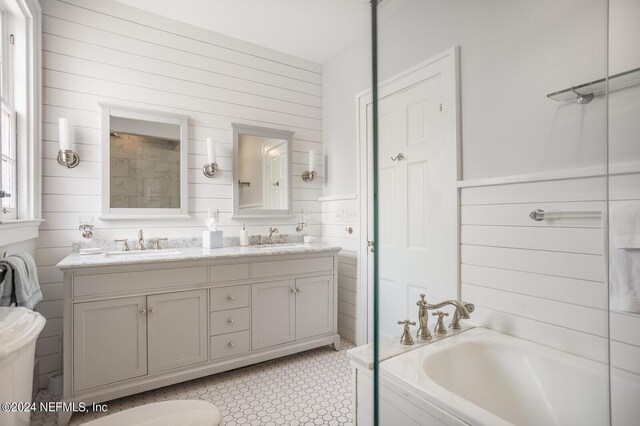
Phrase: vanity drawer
pixel 232 297
pixel 291 267
pixel 230 344
pixel 221 273
pixel 229 321
pixel 123 282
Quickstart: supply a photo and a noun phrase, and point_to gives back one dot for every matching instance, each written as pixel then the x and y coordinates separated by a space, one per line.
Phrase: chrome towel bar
pixel 540 215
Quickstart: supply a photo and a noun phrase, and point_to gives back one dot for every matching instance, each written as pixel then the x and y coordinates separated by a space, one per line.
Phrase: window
pixel 8 148
pixel 8 187
pixel 20 111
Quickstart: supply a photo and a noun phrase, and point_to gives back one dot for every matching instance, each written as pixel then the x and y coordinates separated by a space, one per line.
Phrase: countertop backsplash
pixel 110 245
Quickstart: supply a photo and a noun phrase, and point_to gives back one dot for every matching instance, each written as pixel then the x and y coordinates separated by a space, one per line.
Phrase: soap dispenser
pixel 244 235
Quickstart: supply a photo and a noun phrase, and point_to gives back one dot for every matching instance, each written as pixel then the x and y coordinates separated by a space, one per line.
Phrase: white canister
pixel 244 236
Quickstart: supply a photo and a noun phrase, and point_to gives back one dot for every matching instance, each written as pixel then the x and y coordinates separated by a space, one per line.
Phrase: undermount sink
pixel 150 252
pixel 278 246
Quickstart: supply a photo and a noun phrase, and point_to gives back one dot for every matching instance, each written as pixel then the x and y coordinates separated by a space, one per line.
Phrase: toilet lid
pixel 18 327
pixel 166 413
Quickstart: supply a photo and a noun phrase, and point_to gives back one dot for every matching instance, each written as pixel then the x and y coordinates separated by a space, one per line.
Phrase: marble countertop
pixel 77 260
pixel 363 355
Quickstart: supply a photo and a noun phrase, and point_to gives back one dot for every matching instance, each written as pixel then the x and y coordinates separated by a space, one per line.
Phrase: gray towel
pixel 20 282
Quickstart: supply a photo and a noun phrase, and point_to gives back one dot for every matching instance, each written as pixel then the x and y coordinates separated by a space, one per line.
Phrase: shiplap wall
pixel 95 50
pixel 544 281
pixel 337 216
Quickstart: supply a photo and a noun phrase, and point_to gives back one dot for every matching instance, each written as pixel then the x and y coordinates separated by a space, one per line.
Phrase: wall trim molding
pixel 17 231
pixel 338 197
pixel 586 172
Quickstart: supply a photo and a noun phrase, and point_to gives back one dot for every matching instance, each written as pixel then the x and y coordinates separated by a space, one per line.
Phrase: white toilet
pixel 19 329
pixel 166 413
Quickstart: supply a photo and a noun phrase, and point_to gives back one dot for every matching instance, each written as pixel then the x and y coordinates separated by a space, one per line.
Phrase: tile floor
pixel 309 388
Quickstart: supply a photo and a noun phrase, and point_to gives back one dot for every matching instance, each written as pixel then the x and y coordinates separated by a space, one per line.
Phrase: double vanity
pixel 147 319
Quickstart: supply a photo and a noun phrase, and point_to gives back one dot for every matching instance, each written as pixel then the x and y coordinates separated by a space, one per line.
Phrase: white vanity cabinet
pixel 128 337
pixel 292 310
pixel 110 341
pixel 273 314
pixel 131 327
pixel 176 329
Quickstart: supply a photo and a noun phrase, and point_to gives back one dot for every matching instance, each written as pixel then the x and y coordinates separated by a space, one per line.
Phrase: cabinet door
pixel 272 313
pixel 177 327
pixel 109 341
pixel 314 306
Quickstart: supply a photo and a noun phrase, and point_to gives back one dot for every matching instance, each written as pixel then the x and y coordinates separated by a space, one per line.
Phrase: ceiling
pixel 311 29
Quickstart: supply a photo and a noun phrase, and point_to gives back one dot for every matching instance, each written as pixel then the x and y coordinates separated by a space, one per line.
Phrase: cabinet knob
pixel 292 290
pixel 142 311
pixel 231 345
pixel 230 297
pixel 230 321
pixel 151 310
pixel 298 290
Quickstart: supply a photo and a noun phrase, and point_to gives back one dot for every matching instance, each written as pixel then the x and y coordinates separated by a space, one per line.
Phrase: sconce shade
pixel 64 134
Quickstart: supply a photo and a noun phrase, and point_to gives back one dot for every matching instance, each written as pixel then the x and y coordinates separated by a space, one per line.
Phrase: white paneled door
pixel 417 193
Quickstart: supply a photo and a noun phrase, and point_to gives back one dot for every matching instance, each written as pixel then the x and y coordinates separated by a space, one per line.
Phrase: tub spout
pixel 455 321
pixel 462 311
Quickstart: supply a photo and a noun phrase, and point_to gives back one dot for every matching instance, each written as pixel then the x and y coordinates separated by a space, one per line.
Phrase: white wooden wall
pixel 100 50
pixel 337 216
pixel 544 281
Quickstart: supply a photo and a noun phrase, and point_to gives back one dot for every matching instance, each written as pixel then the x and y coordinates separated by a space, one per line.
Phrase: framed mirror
pixel 144 164
pixel 261 172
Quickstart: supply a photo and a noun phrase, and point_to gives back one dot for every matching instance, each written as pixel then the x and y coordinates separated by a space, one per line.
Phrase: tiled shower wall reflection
pixel 145 172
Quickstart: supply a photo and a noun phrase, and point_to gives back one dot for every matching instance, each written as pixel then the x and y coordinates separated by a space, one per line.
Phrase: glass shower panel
pixel 491 199
pixel 624 210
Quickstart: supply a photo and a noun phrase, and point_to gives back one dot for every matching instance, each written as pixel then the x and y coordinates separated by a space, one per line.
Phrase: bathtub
pixel 483 377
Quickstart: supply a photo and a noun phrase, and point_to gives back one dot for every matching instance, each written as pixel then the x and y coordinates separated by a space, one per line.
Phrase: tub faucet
pixel 406 338
pixel 462 312
pixel 455 321
pixel 423 319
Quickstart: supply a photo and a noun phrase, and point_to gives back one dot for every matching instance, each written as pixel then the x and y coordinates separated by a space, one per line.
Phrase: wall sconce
pixel 211 168
pixel 310 174
pixel 86 226
pixel 66 156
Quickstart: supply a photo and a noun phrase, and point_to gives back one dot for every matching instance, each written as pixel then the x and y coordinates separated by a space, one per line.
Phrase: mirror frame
pixel 265 132
pixel 108 213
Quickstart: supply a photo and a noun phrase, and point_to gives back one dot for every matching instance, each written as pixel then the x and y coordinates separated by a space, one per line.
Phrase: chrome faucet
pixel 462 312
pixel 455 321
pixel 271 232
pixel 423 318
pixel 125 246
pixel 140 240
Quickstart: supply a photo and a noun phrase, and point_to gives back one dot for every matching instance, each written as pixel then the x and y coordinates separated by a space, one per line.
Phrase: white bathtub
pixel 483 377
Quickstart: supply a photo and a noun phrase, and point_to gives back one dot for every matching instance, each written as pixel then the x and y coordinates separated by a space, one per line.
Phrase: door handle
pixel 398 157
pixel 372 246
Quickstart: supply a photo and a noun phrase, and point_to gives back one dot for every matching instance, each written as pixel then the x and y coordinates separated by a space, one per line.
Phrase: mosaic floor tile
pixel 309 388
